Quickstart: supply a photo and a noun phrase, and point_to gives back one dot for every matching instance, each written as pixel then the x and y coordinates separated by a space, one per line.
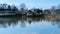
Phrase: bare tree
pixel 58 6
pixel 4 6
pixel 14 8
pixel 9 7
pixel 22 7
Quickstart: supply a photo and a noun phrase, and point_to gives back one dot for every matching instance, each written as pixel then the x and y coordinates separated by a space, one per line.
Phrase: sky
pixel 44 4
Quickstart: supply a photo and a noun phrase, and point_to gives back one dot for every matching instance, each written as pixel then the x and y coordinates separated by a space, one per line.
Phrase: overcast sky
pixel 44 4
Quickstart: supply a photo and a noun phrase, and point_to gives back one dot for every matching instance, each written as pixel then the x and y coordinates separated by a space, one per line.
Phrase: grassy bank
pixel 53 16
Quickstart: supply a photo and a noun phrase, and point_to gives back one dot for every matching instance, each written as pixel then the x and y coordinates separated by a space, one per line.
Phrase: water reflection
pixel 8 22
pixel 5 22
pixel 55 20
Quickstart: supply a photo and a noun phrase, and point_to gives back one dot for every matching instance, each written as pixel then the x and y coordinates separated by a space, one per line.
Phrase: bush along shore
pixel 28 13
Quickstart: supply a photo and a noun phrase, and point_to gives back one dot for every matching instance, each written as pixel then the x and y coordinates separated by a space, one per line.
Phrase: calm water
pixel 18 25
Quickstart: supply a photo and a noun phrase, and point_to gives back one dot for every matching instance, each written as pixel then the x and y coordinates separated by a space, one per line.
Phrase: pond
pixel 23 25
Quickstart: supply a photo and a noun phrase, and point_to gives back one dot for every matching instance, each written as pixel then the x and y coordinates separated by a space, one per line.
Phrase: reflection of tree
pixel 29 22
pixel 8 22
pixel 56 22
pixel 5 22
pixel 23 24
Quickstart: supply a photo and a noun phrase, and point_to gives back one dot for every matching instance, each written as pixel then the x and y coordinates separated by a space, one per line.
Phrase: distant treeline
pixel 4 7
pixel 22 8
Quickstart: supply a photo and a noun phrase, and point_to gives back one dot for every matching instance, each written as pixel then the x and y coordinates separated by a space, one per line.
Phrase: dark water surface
pixel 37 25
